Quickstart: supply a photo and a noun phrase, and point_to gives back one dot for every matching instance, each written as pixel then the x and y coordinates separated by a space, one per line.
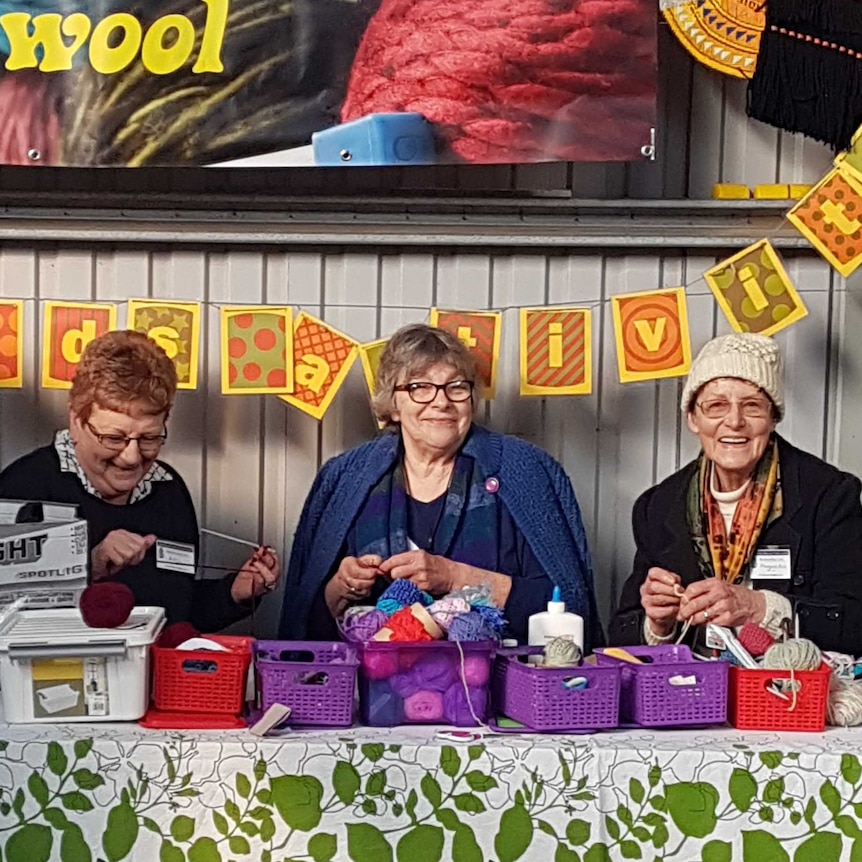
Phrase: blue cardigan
pixel 532 485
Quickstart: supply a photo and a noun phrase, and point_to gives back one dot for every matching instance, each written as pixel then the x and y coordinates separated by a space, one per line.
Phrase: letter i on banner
pixel 480 331
pixel 556 352
pixel 754 290
pixel 68 328
pixel 651 331
pixel 256 350
pixel 322 358
pixel 11 344
pixel 175 327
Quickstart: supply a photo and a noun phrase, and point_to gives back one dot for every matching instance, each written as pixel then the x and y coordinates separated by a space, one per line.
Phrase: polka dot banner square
pixel 175 327
pixel 754 290
pixel 256 350
pixel 480 331
pixel 323 356
pixel 11 344
pixel 556 352
pixel 830 218
pixel 68 327
pixel 652 336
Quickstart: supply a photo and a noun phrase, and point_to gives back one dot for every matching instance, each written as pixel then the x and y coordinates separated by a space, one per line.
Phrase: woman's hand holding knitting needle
pixel 353 581
pixel 660 597
pixel 429 572
pixel 715 601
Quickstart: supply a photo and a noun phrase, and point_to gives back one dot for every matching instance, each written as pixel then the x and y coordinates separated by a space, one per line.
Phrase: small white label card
pixel 175 556
pixel 771 563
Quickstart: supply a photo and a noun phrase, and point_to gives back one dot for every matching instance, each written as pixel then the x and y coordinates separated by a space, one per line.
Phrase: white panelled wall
pixel 249 461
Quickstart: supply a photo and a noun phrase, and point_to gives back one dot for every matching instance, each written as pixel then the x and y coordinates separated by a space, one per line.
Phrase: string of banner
pixel 303 360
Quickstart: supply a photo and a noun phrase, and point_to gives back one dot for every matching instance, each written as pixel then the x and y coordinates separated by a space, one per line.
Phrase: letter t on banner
pixel 556 352
pixel 480 331
pixel 67 329
pixel 651 331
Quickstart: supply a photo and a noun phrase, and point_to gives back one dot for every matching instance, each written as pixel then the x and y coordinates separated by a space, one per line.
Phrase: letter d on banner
pixel 68 328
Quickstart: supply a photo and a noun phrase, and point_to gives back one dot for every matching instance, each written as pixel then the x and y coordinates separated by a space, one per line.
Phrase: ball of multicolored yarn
pixel 361 627
pixel 446 609
pixel 493 616
pixel 480 595
pixel 470 627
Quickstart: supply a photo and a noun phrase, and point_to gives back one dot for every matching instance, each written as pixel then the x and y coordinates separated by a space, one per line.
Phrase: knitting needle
pixel 230 538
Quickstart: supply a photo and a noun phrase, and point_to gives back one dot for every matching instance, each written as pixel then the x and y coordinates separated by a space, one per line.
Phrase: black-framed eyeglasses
pixel 424 392
pixel 148 444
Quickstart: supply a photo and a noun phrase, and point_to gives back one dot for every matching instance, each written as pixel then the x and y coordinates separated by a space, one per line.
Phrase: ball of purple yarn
pixel 492 616
pixel 470 627
pixel 359 628
pixel 455 707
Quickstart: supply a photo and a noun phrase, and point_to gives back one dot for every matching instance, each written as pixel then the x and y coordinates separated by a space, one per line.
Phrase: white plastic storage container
pixel 53 667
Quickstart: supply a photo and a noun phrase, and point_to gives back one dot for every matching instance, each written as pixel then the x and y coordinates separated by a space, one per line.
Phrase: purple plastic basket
pixel 424 683
pixel 537 696
pixel 647 697
pixel 316 679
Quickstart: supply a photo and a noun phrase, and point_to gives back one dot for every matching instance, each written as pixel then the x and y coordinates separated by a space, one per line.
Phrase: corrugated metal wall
pixel 250 461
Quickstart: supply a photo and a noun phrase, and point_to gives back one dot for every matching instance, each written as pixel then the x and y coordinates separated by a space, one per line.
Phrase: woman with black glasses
pixel 437 500
pixel 106 465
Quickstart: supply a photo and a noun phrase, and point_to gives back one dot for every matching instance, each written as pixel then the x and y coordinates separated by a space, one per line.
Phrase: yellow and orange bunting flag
pixel 11 344
pixel 652 335
pixel 754 291
pixel 556 351
pixel 256 350
pixel 369 355
pixel 175 327
pixel 67 329
pixel 480 331
pixel 849 162
pixel 830 218
pixel 322 358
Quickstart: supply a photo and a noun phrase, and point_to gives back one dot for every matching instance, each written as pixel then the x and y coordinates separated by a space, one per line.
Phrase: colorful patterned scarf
pixel 722 555
pixel 468 528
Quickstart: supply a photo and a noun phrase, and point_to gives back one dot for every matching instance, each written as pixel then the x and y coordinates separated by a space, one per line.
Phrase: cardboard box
pixel 44 554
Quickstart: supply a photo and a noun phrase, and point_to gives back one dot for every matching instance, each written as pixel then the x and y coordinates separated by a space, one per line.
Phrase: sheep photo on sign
pixel 326 82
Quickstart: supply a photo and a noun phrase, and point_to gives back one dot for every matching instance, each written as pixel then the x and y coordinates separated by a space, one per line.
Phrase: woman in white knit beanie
pixel 754 530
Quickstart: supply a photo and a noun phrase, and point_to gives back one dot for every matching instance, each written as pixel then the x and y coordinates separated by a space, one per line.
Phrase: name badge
pixel 175 556
pixel 771 564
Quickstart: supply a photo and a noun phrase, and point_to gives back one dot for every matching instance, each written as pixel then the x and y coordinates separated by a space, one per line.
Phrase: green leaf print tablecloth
pixel 85 793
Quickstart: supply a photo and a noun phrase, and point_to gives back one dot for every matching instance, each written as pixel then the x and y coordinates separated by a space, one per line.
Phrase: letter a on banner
pixel 175 327
pixel 555 351
pixel 322 358
pixel 68 328
pixel 651 331
pixel 11 344
pixel 256 350
pixel 480 331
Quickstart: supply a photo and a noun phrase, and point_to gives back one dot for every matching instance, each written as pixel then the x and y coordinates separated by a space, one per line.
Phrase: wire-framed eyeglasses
pixel 750 408
pixel 424 392
pixel 148 444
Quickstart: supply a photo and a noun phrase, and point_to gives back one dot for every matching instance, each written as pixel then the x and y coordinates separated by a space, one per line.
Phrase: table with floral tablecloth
pixel 79 793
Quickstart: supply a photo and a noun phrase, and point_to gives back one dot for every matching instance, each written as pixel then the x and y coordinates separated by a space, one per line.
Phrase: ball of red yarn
pixel 106 605
pixel 755 639
pixel 406 628
pixel 513 80
pixel 175 634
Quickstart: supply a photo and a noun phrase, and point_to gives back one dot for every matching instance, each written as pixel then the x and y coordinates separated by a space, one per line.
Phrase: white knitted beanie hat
pixel 744 355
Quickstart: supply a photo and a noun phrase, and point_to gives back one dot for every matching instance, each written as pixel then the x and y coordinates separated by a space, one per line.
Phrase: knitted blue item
pixel 727 655
pixel 389 606
pixel 404 592
pixel 493 617
pixel 470 627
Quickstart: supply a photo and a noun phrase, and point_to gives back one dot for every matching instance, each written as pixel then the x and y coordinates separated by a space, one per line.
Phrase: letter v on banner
pixel 652 336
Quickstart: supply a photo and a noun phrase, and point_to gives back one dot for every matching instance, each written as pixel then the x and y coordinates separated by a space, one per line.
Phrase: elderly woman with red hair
pixel 106 463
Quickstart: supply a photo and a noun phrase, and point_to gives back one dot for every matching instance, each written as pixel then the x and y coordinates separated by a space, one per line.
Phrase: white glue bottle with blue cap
pixel 555 622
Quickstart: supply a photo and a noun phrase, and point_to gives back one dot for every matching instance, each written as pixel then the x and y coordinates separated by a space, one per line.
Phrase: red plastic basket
pixel 753 707
pixel 202 680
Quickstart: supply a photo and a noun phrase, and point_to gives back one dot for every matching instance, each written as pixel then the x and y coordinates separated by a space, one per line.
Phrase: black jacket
pixel 821 525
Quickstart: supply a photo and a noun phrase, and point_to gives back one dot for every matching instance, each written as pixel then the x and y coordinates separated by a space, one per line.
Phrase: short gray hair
pixel 410 351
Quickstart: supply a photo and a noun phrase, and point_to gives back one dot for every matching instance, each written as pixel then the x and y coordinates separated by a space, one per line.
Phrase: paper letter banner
pixel 11 344
pixel 850 161
pixel 651 331
pixel 555 351
pixel 369 355
pixel 322 358
pixel 68 328
pixel 754 290
pixel 830 217
pixel 480 331
pixel 256 350
pixel 175 327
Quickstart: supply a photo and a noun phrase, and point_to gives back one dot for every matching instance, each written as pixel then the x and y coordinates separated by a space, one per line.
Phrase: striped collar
pixel 69 464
